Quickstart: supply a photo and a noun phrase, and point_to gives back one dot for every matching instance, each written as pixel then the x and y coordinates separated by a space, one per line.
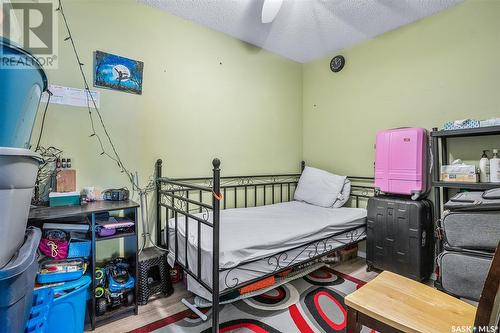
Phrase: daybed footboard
pixel 201 199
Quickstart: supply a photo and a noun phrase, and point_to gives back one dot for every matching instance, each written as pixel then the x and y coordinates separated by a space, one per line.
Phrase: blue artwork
pixel 115 72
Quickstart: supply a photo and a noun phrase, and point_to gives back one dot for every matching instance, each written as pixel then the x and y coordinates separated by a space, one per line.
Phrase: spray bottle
pixel 484 168
pixel 495 167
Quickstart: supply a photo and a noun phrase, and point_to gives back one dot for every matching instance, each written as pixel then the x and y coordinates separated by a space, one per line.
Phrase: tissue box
pixel 458 178
pixel 461 124
pixel 460 173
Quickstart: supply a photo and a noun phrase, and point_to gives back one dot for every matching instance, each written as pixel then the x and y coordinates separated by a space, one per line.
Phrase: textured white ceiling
pixel 304 30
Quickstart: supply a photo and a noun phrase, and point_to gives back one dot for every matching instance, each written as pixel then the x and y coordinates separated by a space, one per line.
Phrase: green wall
pixel 444 67
pixel 205 95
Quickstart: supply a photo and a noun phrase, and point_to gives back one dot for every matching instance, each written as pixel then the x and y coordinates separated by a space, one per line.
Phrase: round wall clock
pixel 337 63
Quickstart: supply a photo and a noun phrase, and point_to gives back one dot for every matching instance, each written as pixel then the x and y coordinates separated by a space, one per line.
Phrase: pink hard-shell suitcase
pixel 401 161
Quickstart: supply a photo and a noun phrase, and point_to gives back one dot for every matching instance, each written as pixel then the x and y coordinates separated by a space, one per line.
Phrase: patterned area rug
pixel 314 303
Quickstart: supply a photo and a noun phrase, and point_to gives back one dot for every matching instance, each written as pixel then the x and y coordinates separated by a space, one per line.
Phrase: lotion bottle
pixel 495 167
pixel 484 168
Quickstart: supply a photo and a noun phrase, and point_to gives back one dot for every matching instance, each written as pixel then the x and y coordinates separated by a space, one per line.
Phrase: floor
pixel 164 307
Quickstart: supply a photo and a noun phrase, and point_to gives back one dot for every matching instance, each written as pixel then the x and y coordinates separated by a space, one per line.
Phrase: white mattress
pixel 253 235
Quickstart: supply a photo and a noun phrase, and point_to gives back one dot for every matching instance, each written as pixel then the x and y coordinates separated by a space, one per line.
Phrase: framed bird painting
pixel 119 73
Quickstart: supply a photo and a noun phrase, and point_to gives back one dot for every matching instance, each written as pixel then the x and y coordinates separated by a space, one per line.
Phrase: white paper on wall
pixel 71 96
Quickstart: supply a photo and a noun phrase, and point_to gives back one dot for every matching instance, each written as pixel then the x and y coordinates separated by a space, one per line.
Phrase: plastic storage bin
pixel 67 312
pixel 42 301
pixel 23 81
pixel 59 309
pixel 18 169
pixel 17 280
pixel 67 270
pixel 57 199
pixel 79 248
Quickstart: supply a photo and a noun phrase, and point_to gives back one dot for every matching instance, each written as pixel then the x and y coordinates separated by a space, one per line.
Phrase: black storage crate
pixel 400 236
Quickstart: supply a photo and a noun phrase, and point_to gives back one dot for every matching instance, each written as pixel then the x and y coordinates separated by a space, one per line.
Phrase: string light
pixel 92 107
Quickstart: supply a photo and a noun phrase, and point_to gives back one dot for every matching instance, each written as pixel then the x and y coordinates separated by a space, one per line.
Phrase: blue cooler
pixel 67 311
pixel 17 280
pixel 23 81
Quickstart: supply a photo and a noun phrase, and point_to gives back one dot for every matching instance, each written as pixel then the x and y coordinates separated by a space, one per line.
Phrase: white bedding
pixel 250 234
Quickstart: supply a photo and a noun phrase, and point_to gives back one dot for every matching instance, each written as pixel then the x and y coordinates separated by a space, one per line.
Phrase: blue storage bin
pixel 23 81
pixel 70 274
pixel 60 308
pixel 42 301
pixel 67 312
pixel 79 248
pixel 55 278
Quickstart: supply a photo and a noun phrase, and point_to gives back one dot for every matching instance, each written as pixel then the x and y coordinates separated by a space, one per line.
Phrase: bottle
pixel 68 163
pixel 63 163
pixel 58 163
pixel 495 167
pixel 484 168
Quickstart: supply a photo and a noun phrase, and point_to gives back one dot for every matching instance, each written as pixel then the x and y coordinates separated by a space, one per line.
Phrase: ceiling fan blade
pixel 270 10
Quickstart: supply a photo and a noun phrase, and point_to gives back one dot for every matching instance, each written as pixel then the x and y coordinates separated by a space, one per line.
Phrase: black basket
pixel 154 277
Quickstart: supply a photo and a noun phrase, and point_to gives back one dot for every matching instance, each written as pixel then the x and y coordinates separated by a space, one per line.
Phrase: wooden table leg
pixel 352 321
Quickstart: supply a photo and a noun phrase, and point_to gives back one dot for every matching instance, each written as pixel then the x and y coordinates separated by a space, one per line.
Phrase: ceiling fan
pixel 270 9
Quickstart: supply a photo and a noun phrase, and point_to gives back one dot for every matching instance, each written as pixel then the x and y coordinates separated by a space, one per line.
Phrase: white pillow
pixel 344 195
pixel 318 187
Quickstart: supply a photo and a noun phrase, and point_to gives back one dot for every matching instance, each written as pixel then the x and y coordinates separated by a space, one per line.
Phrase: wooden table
pixel 393 303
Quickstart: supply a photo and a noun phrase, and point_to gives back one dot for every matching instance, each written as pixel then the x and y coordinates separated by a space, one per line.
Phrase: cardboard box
pixel 459 178
pixel 459 173
pixel 349 253
pixel 66 180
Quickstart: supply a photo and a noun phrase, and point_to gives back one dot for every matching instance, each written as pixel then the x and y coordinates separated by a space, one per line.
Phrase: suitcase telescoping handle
pixel 431 156
pixel 430 161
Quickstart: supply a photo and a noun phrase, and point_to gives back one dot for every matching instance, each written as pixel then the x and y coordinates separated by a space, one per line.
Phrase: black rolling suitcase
pixel 400 236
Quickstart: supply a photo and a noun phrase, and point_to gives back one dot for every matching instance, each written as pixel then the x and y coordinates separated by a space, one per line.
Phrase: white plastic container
pixel 18 170
pixel 484 168
pixel 495 167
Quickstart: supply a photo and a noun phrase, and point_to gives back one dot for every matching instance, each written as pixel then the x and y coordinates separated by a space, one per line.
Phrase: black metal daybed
pixel 189 209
